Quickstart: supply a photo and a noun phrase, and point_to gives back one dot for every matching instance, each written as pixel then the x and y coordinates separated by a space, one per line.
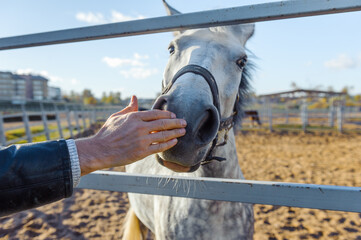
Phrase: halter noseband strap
pixel 225 124
pixel 196 69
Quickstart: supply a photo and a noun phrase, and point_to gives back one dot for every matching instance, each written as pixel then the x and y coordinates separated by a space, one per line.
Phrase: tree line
pixel 86 97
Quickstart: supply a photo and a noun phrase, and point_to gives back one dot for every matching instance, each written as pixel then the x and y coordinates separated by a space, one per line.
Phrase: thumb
pixel 133 103
pixel 132 106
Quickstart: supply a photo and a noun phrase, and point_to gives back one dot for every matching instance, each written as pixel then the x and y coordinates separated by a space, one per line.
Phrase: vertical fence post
pixel 89 117
pixel 76 115
pixel 269 107
pixel 104 114
pixel 304 115
pixel 2 131
pixel 83 117
pixel 263 111
pixel 331 116
pixel 58 121
pixel 95 115
pixel 44 119
pixel 340 117
pixel 69 121
pixel 92 115
pixel 26 123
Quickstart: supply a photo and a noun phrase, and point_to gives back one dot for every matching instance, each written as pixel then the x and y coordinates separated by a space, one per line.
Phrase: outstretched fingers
pixel 166 124
pixel 164 136
pixel 164 140
pixel 155 115
pixel 161 147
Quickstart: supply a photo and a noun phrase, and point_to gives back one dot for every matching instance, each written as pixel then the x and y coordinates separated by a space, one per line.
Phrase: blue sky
pixel 313 52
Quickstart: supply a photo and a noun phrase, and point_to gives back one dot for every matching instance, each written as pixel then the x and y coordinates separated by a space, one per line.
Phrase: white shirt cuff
pixel 74 161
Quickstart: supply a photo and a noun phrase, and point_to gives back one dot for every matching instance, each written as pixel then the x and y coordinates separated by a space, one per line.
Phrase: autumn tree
pixel 88 97
pixel 111 98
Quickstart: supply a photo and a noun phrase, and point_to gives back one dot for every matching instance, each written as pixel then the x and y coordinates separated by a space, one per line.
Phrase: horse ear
pixel 242 31
pixel 171 11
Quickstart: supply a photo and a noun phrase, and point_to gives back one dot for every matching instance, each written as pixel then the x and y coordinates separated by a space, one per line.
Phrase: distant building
pixel 12 86
pixel 36 87
pixel 54 93
pixel 22 87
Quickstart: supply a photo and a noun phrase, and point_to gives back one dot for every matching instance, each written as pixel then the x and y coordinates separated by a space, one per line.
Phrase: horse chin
pixel 176 167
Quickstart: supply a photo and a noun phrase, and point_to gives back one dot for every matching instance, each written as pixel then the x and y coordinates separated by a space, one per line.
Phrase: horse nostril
pixel 207 127
pixel 160 103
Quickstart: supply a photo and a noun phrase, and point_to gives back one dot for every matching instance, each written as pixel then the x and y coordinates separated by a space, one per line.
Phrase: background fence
pixel 45 120
pixel 280 117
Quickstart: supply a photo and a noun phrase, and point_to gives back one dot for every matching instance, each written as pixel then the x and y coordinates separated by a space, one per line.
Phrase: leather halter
pixel 225 124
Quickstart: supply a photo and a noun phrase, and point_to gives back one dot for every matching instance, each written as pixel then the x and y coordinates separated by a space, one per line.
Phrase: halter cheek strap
pixel 225 124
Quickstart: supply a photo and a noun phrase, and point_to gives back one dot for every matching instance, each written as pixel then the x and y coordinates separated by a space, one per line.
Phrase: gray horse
pixel 205 82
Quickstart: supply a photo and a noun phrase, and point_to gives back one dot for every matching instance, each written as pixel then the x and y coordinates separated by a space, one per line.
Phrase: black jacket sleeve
pixel 32 175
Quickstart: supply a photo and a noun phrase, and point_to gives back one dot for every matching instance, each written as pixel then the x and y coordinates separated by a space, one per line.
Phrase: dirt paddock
pixel 320 158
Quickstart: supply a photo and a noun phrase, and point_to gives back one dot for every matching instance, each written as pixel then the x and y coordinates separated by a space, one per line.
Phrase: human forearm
pixel 33 175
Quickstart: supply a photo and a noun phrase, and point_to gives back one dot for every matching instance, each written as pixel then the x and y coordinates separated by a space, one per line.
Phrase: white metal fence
pixel 297 195
pixel 42 118
pixel 279 117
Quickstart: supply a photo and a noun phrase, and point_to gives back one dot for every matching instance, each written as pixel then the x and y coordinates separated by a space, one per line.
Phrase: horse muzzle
pixel 202 127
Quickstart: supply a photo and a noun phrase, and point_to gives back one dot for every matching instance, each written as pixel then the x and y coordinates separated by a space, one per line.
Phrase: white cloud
pixel 119 17
pixel 138 73
pixel 119 62
pixel 74 81
pixel 343 61
pixel 25 71
pixel 134 67
pixel 136 61
pixel 138 56
pixel 89 17
pixel 99 18
pixel 52 78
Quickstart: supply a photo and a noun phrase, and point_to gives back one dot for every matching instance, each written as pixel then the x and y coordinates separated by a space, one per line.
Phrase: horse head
pixel 204 82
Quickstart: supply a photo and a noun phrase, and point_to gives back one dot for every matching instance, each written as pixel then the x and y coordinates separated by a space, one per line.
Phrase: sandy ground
pixel 320 158
pixel 287 157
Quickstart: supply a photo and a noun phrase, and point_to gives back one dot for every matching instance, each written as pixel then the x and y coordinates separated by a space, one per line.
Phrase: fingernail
pixel 174 141
pixel 182 131
pixel 172 115
pixel 183 122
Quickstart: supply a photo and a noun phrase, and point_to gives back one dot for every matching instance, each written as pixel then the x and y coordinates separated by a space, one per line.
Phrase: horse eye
pixel 171 49
pixel 241 63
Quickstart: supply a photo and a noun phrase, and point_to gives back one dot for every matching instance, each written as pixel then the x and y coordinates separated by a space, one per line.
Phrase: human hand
pixel 128 136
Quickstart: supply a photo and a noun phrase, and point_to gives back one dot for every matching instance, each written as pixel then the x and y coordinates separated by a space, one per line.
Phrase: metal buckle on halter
pixel 228 125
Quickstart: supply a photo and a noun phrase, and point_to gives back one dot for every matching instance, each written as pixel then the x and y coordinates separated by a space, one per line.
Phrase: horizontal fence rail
pixel 326 197
pixel 227 16
pixel 36 121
